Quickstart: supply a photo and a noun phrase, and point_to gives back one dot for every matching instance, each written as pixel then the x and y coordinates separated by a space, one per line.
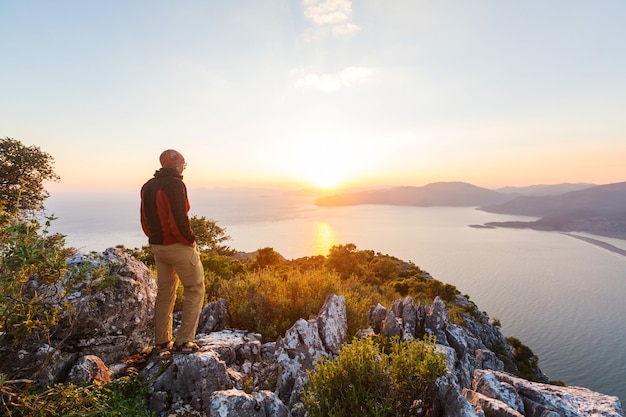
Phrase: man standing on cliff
pixel 165 220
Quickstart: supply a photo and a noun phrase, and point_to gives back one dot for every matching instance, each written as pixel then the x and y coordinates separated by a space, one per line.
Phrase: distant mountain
pixel 456 194
pixel 595 209
pixel 597 200
pixel 543 189
pixel 599 210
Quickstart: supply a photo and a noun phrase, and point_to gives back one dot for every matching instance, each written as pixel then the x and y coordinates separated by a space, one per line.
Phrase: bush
pixel 526 361
pixel 30 259
pixel 270 301
pixel 372 377
pixel 122 397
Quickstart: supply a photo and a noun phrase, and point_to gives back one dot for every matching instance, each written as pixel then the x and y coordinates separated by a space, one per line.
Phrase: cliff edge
pixel 235 374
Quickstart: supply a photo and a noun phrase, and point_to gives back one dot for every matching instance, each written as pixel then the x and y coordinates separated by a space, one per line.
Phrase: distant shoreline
pixel 599 243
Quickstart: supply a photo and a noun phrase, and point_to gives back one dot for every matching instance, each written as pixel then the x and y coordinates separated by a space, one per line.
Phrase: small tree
pixel 210 236
pixel 23 170
pixel 267 258
pixel 347 261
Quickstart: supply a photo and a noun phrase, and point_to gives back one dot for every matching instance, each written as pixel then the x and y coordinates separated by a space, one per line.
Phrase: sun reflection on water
pixel 324 238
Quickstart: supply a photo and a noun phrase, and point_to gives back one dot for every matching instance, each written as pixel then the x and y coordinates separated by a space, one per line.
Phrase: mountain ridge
pixel 595 209
pixel 452 193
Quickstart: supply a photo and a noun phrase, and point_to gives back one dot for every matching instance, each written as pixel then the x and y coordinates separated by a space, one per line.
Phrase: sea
pixel 561 296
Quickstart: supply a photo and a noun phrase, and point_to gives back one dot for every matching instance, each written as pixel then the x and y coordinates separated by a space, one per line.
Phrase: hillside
pixel 453 194
pixel 599 210
pixel 599 200
pixel 545 189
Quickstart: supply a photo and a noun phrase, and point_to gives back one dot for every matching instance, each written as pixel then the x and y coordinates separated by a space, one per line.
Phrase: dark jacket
pixel 165 208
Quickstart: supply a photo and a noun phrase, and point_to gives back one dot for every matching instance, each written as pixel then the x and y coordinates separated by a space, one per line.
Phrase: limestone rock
pixel 299 350
pixel 436 320
pixel 391 327
pixel 486 383
pixel 114 307
pixel 212 381
pixel 238 403
pixel 534 399
pixel 376 315
pixel 232 346
pixel 333 323
pixel 109 314
pixel 188 379
pixel 475 384
pixel 409 318
pixel 305 343
pixel 490 406
pixel 90 369
pixel 213 317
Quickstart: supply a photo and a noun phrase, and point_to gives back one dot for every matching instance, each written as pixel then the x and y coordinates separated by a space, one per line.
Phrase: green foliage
pixel 210 236
pixel 93 272
pixel 32 265
pixel 415 365
pixel 217 271
pixel 122 397
pixel 525 360
pixel 269 302
pixel 424 290
pixel 374 378
pixel 23 171
pixel 143 255
pixel 267 258
pixel 348 262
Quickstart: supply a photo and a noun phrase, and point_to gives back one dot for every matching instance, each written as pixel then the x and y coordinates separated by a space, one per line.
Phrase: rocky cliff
pixel 234 374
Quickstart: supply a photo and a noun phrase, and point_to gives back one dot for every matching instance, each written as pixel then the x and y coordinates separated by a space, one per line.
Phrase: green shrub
pixel 270 301
pixel 122 397
pixel 374 377
pixel 526 361
pixel 30 257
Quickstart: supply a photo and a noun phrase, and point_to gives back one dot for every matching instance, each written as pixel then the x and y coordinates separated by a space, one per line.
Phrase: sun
pixel 325 173
pixel 325 179
pixel 323 162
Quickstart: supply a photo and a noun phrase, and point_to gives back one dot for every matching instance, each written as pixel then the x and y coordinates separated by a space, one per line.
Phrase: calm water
pixel 562 297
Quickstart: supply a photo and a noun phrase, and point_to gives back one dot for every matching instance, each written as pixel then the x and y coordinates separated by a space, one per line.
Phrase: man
pixel 165 220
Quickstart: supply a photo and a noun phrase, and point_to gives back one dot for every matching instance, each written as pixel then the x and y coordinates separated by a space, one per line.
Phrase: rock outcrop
pixel 107 312
pixel 501 394
pixel 476 384
pixel 235 374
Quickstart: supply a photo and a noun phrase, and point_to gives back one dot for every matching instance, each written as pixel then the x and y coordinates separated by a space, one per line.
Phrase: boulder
pixel 107 304
pixel 391 326
pixel 90 369
pixel 376 315
pixel 186 379
pixel 304 345
pixel 409 318
pixel 238 403
pixel 437 320
pixel 490 407
pixel 535 399
pixel 213 317
pixel 333 323
pixel 113 306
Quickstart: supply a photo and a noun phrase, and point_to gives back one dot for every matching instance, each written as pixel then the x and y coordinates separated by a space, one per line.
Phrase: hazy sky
pixel 363 92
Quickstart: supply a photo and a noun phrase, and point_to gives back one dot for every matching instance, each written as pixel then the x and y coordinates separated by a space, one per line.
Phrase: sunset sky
pixel 319 92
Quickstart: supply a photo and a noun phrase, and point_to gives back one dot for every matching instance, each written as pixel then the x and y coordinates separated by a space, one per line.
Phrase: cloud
pixel 329 83
pixel 331 16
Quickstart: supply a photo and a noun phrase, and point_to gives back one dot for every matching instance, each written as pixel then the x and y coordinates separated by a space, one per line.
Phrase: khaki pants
pixel 176 262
